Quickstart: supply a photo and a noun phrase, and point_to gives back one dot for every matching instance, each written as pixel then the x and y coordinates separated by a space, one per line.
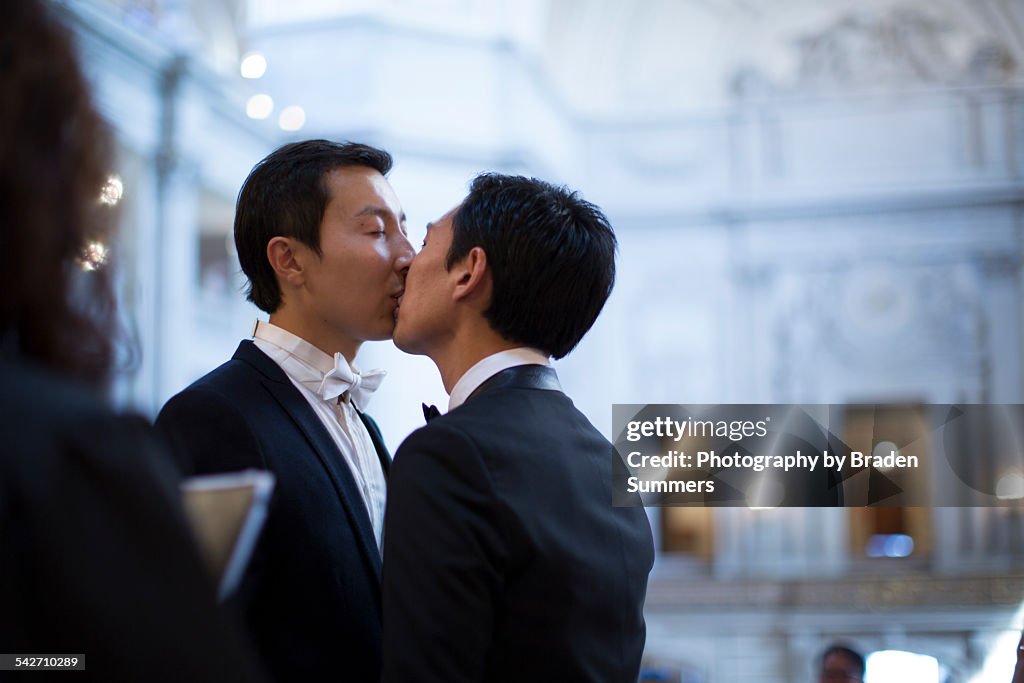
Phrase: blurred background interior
pixel 818 201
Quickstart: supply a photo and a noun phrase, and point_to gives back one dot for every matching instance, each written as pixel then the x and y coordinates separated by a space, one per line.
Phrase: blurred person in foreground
pixel 321 236
pixel 504 559
pixel 841 664
pixel 95 555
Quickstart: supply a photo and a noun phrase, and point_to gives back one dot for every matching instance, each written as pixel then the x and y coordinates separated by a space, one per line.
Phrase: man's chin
pixel 384 331
pixel 400 340
pixel 405 341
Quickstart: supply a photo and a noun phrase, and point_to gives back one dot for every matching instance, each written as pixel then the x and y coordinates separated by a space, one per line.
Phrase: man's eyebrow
pixel 381 211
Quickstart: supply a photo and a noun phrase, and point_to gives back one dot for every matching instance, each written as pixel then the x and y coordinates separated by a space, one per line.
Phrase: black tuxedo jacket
pixel 96 557
pixel 504 559
pixel 311 595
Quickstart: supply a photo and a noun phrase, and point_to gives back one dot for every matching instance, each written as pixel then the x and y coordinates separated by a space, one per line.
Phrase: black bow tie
pixel 430 412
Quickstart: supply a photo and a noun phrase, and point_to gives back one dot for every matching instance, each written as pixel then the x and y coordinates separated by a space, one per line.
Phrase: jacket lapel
pixel 378 442
pixel 293 403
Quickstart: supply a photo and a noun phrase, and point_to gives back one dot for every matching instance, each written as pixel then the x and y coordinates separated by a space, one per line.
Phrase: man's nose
pixel 405 255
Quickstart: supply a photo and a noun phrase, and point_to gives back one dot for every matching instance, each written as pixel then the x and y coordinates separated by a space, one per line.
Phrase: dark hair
pixel 52 168
pixel 848 652
pixel 286 194
pixel 551 256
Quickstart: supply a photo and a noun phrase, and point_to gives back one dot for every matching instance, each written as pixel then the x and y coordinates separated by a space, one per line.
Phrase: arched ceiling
pixel 610 59
pixel 651 57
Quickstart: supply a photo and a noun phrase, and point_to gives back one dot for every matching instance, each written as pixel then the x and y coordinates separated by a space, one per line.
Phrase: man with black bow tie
pixel 504 559
pixel 321 236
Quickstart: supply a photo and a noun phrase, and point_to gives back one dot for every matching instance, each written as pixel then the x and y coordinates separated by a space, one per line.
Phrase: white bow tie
pixel 341 378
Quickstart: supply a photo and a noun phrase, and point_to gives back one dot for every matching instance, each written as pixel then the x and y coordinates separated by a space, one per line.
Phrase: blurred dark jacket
pixel 95 554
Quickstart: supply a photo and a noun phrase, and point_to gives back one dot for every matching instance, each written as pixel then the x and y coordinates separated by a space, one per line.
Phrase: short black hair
pixel 848 652
pixel 551 255
pixel 285 194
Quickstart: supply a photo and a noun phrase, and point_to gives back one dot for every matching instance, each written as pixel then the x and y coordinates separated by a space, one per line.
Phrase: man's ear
pixel 473 275
pixel 281 254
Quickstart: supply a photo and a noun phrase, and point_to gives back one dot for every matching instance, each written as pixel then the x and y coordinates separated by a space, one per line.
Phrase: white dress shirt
pixel 489 367
pixel 306 366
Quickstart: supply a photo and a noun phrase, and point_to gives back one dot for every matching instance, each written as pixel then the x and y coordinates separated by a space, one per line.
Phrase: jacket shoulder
pixel 209 425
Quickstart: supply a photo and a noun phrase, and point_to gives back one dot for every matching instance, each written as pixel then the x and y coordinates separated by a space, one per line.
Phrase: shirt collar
pixel 294 345
pixel 489 367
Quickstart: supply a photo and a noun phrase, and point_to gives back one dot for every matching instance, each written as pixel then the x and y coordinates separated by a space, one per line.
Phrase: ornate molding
pixel 851 594
pixel 903 46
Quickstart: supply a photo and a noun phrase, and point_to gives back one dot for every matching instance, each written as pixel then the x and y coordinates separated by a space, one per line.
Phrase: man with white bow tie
pixel 321 236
